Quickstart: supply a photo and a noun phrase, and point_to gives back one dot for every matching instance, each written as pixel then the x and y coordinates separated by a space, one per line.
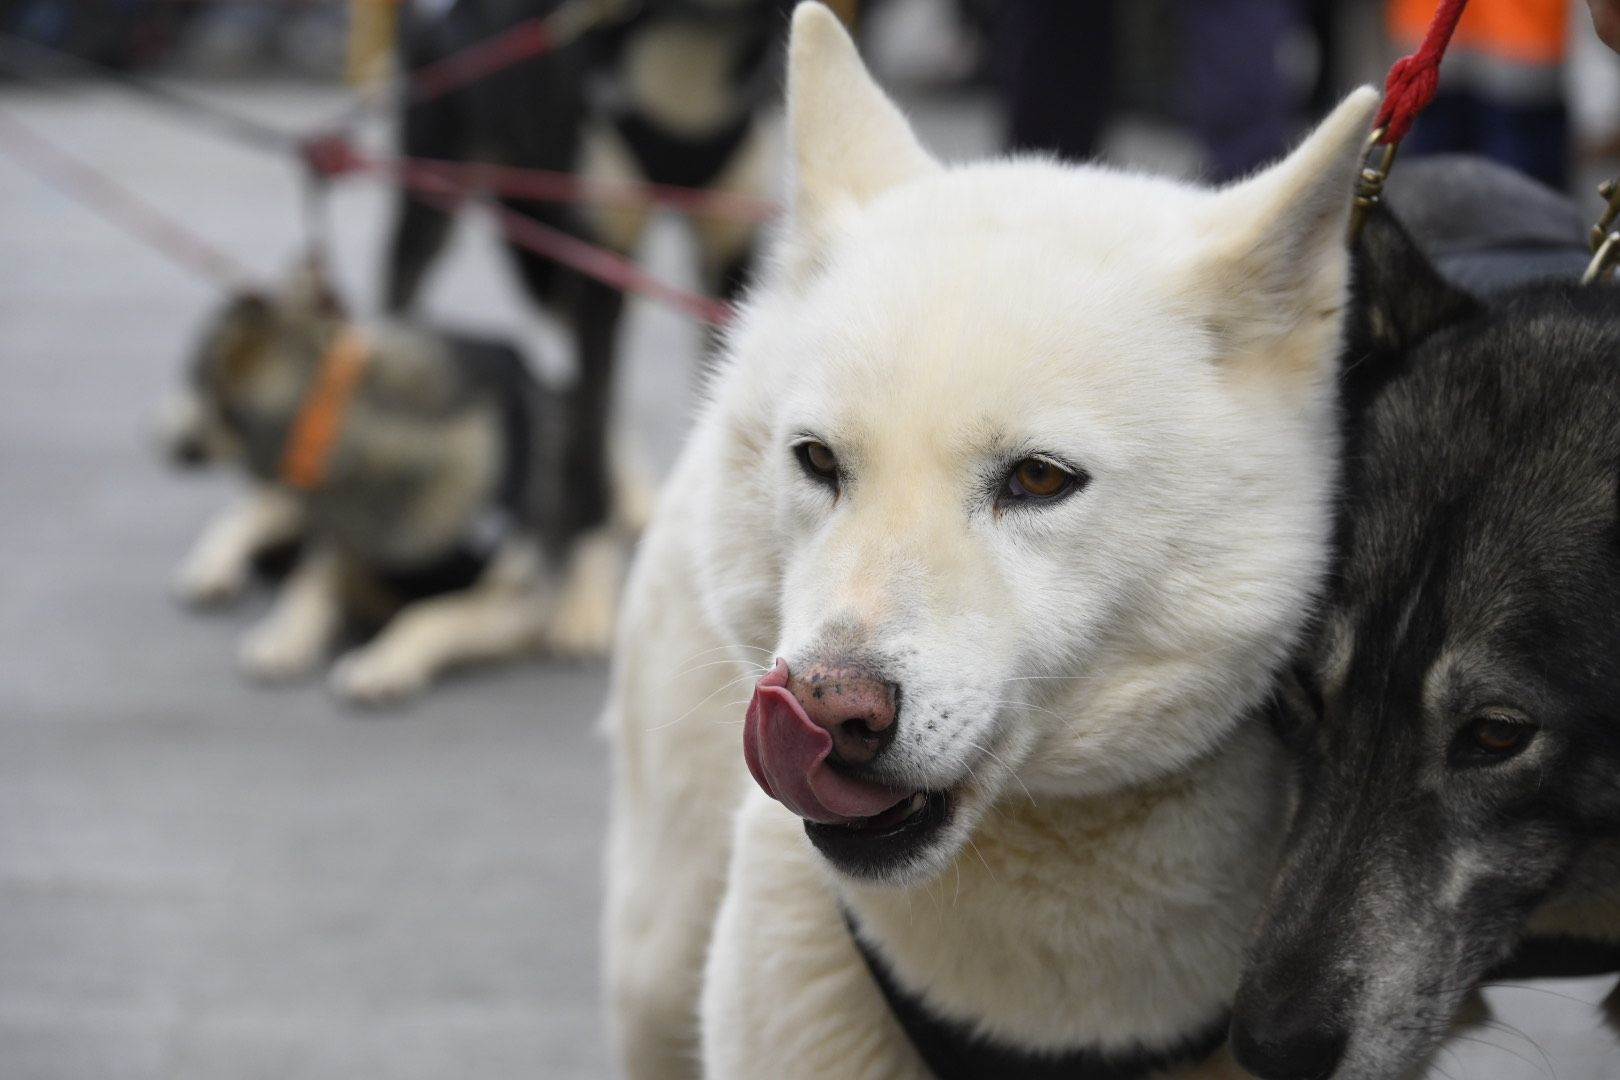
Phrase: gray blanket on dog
pixel 1486 227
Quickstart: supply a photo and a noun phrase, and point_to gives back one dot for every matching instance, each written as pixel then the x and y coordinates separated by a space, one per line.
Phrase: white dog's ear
pixel 1278 277
pixel 849 141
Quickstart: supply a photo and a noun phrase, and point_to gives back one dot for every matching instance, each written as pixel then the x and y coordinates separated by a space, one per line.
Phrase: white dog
pixel 1024 472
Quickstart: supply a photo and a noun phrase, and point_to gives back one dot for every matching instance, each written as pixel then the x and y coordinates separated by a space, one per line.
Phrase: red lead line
pixel 117 204
pixel 1413 80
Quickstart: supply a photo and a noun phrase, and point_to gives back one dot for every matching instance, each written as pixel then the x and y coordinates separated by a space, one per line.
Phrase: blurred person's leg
pixel 1058 58
pixel 1238 102
pixel 1445 127
pixel 1327 82
pixel 1534 139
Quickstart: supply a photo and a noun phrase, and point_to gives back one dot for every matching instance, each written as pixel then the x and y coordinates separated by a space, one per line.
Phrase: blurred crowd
pixel 216 36
pixel 1526 81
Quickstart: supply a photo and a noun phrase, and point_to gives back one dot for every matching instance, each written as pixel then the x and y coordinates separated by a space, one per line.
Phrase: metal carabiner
pixel 1376 161
pixel 1605 239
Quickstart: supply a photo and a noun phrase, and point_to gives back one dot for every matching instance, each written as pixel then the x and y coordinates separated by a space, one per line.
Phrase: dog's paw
pixel 210 582
pixel 374 676
pixel 270 654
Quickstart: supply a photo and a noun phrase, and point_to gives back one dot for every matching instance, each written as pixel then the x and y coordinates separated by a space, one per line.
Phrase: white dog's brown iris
pixel 1034 478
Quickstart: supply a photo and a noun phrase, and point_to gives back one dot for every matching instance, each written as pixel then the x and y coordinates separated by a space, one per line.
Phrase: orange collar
pixel 315 429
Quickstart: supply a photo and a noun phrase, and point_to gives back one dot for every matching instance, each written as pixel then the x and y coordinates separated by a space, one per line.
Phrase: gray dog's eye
pixel 1490 738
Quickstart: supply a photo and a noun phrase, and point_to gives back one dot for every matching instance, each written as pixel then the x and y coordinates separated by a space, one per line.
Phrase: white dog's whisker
pixel 1009 770
pixel 724 648
pixel 755 666
pixel 706 699
pixel 982 861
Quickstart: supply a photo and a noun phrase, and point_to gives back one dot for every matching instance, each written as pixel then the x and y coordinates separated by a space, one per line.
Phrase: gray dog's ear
pixel 1399 298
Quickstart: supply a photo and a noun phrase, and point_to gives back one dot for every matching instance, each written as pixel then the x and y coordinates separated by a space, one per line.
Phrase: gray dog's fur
pixel 1457 722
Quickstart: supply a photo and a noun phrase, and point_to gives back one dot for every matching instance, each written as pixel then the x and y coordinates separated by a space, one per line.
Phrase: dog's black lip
pixel 871 853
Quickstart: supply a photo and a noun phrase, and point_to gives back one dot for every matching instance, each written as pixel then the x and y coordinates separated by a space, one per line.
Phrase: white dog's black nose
pixel 1294 1042
pixel 856 707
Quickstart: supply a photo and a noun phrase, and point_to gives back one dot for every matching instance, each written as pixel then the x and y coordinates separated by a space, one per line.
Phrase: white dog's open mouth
pixel 860 823
pixel 872 846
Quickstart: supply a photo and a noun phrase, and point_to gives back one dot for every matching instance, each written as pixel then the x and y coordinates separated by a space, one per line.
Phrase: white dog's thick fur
pixel 1078 675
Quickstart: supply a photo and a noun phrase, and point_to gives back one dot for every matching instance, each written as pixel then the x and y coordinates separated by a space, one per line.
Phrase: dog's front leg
pixel 301 626
pixel 503 615
pixel 786 994
pixel 220 563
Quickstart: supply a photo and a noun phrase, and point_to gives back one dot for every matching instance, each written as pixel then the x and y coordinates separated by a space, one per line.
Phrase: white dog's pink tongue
pixel 787 753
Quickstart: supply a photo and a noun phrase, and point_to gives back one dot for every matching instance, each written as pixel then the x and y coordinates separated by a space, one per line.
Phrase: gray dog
pixel 1457 723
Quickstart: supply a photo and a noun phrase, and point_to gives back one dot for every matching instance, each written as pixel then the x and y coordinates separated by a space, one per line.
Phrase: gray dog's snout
pixel 857 707
pixel 1287 1037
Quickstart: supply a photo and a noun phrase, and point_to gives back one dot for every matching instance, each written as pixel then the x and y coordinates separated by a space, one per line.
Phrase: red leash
pixel 529 38
pixel 524 41
pixel 546 185
pixel 1412 83
pixel 334 155
pixel 1413 80
pixel 101 193
pixel 592 260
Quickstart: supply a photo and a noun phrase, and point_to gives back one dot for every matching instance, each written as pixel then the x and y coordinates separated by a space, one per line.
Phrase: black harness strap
pixel 953 1051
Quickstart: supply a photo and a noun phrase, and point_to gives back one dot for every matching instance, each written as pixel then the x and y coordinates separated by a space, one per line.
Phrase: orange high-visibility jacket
pixel 1522 31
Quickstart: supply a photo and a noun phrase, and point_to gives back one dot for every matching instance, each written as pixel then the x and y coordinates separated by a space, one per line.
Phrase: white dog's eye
pixel 1036 480
pixel 818 462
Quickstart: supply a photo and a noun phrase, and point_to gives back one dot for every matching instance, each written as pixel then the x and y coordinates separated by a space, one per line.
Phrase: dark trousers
pixel 1533 139
pixel 1057 63
pixel 1236 100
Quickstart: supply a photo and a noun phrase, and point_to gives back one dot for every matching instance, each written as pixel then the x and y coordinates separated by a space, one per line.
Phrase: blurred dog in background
pixel 435 495
pixel 467 510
